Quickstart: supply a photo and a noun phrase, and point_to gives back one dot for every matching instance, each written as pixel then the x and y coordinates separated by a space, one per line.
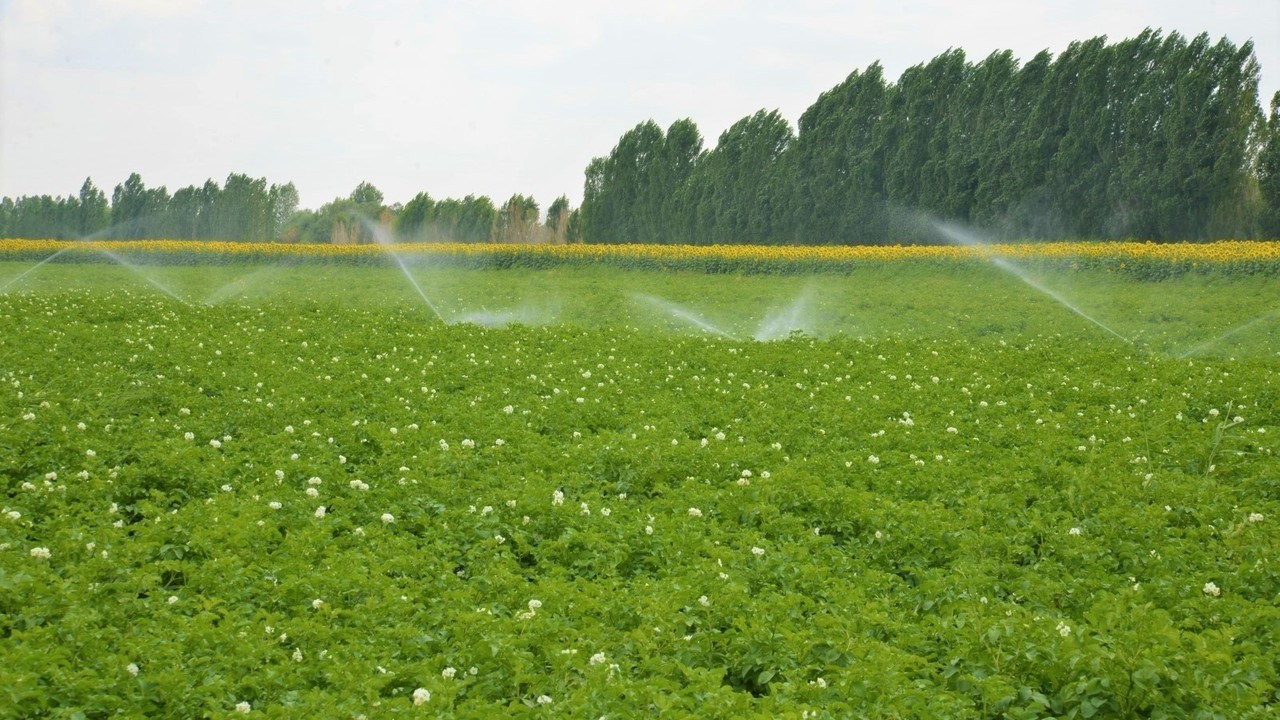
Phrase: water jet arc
pixel 682 313
pixel 1233 331
pixel 968 239
pixel 134 269
pixel 33 268
pixel 382 236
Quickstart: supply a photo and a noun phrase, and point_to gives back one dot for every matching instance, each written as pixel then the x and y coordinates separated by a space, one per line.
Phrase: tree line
pixel 1155 137
pixel 242 208
pixel 250 210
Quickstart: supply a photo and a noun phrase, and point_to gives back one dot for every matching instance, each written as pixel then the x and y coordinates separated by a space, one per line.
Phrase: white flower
pixel 534 605
pixel 757 551
pixel 544 700
pixel 820 682
pixel 703 601
pixel 1211 589
pixel 648 529
pixel 41 552
pixel 879 535
pixel 499 442
pixel 317 603
pixel 388 518
pixel 184 411
pixel 243 707
pixel 90 453
pixel 508 410
pixel 312 492
pixel 557 498
pixel 468 443
pixel 288 429
pixel 597 659
pixel 215 444
pixel 314 480
pixel 173 599
pixel 1255 517
pixel 1074 531
pixel 695 512
pixel 1064 629
pixel 320 511
pixel 297 654
pixel 274 505
pixel 279 474
pixel 227 488
pixel 873 459
pixel 448 673
pixel 132 669
pixel 12 514
pixel 421 696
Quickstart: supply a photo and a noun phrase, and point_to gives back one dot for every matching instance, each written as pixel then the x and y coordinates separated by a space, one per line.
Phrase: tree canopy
pixel 1156 137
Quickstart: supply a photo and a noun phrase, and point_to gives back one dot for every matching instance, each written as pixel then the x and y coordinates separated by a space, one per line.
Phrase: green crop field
pixel 946 494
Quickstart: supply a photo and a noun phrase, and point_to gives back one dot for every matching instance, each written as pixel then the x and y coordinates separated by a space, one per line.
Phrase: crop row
pixel 1139 259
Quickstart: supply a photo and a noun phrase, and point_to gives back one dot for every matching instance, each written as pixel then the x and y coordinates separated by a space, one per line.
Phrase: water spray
pixel 383 237
pixel 133 268
pixel 1233 331
pixel 683 313
pixel 781 323
pixel 968 239
pixel 33 268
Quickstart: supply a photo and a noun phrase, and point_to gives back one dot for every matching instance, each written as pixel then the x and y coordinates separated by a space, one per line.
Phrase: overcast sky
pixel 452 98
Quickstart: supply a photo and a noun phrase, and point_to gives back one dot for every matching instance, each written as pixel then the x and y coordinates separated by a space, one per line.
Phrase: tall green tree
pixel 1269 172
pixel 557 225
pixel 518 220
pixel 95 213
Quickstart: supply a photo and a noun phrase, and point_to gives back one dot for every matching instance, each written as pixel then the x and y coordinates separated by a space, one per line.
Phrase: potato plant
pixel 324 503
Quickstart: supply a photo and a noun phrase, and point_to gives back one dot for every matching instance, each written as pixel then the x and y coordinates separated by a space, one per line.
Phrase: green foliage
pixel 517 221
pixel 1269 170
pixel 639 192
pixel 1152 137
pixel 970 505
pixel 558 218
